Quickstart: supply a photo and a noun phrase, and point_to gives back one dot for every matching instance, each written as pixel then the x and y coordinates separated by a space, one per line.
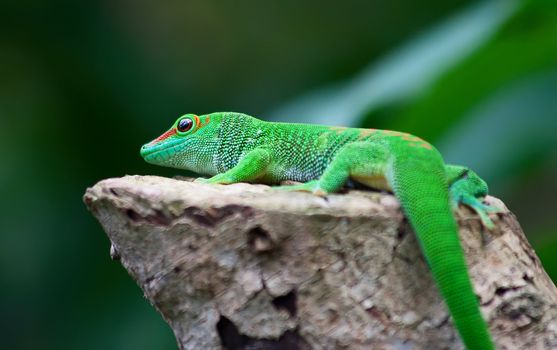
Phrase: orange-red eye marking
pixel 173 131
pixel 164 136
pixel 199 123
pixel 207 120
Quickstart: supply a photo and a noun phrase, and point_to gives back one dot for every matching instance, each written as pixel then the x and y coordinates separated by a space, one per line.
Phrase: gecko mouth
pixel 162 151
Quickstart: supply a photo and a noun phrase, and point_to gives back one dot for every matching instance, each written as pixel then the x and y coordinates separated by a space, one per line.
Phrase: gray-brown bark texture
pixel 246 267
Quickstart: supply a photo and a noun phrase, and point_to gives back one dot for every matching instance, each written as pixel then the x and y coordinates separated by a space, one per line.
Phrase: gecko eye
pixel 185 125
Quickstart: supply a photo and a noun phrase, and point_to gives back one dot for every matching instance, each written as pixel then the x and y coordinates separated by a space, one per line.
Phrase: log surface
pixel 247 267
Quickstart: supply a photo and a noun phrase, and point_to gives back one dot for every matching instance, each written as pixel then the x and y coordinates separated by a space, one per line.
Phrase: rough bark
pixel 246 267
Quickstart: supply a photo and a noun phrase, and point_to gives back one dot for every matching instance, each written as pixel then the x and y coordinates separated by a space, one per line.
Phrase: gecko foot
pixel 311 186
pixel 219 179
pixel 483 210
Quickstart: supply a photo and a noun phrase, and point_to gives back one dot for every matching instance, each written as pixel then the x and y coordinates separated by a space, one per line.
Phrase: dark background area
pixel 84 84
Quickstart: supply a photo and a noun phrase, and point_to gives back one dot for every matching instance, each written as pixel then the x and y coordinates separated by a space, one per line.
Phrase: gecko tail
pixel 420 184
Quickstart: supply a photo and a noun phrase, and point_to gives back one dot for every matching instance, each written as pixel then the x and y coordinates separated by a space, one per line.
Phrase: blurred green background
pixel 84 84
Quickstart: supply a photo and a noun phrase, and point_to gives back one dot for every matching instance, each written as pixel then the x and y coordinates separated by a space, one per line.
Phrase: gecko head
pixel 184 145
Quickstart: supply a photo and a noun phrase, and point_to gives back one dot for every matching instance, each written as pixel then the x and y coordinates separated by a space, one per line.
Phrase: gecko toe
pixel 483 210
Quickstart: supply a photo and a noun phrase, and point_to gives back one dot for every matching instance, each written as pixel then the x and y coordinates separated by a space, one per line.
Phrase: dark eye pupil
pixel 185 125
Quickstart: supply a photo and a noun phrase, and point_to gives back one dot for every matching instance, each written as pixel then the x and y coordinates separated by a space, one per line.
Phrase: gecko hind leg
pixel 467 188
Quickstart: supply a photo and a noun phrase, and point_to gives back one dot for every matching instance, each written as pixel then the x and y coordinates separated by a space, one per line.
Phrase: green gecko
pixel 235 147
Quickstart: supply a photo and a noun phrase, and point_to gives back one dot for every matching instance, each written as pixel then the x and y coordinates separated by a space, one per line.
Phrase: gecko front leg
pixel 252 166
pixel 467 188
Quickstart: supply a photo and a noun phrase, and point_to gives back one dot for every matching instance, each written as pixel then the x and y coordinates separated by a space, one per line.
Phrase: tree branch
pixel 245 267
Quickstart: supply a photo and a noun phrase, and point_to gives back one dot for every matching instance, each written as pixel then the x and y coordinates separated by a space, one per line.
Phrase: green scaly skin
pixel 234 147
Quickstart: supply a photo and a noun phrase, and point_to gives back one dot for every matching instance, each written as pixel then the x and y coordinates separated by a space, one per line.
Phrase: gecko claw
pixel 311 186
pixel 319 192
pixel 483 210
